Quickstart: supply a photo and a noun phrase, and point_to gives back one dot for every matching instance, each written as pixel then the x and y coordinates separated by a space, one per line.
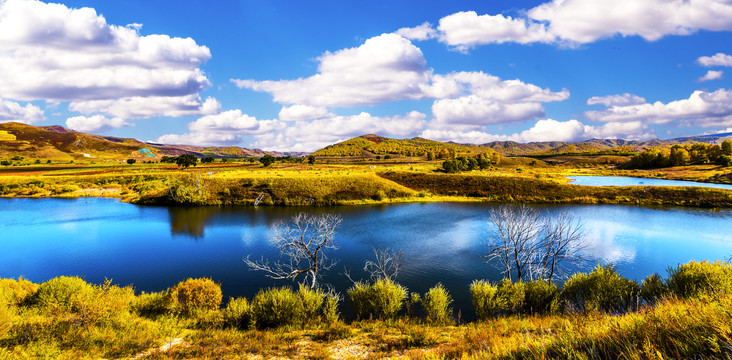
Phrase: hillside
pixel 61 144
pixel 372 145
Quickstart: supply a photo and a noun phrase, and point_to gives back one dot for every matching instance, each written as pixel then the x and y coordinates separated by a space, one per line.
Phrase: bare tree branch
pixel 387 265
pixel 302 245
pixel 532 246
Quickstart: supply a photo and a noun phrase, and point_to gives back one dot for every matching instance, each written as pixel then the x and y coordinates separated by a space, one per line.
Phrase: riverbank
pixel 683 316
pixel 248 184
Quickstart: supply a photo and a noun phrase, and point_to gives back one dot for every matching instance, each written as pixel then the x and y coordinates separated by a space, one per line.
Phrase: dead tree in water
pixel 302 245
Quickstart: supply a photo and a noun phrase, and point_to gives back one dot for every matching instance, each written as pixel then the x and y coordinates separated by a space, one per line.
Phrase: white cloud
pixel 475 110
pixel 421 32
pixel 303 112
pixel 573 22
pixel 547 130
pixel 385 68
pixel 55 53
pixel 12 111
pixel 702 108
pixel 584 21
pixel 390 68
pixel 718 59
pixel 616 100
pixel 144 107
pixel 712 75
pixel 467 29
pixel 310 135
pixel 95 123
pixel 230 128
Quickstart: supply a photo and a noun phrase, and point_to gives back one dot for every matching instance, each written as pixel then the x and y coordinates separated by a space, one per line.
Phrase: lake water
pixel 635 181
pixel 154 248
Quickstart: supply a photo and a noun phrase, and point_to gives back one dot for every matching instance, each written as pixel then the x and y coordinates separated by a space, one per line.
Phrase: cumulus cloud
pixel 309 135
pixel 95 123
pixel 385 68
pixel 702 108
pixel 390 68
pixel 230 128
pixel 303 112
pixel 13 111
pixel 467 29
pixel 547 130
pixel 616 100
pixel 712 75
pixel 56 53
pixel 574 22
pixel 144 107
pixel 718 59
pixel 421 32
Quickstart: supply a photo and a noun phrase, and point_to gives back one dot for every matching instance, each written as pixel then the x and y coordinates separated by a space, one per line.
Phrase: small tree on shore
pixel 302 244
pixel 186 160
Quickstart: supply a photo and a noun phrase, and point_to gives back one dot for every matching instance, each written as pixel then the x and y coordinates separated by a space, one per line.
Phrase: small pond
pixel 635 181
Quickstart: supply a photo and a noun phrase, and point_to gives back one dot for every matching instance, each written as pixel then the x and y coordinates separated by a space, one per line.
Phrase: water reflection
pixel 98 238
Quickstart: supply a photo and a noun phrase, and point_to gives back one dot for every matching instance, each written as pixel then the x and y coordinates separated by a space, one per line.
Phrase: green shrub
pixel 310 303
pixel 412 303
pixel 540 297
pixel 209 319
pixel 483 297
pixel 331 314
pixel 697 278
pixel 510 296
pixel 195 295
pixel 237 313
pixel 63 293
pixel 603 290
pixel 653 288
pixel 436 303
pixel 383 299
pixel 275 307
pixel 153 304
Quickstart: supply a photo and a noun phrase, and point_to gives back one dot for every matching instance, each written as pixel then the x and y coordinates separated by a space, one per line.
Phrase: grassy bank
pixel 349 184
pixel 684 316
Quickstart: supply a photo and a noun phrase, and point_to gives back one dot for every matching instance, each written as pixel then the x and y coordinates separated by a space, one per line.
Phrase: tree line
pixel 681 155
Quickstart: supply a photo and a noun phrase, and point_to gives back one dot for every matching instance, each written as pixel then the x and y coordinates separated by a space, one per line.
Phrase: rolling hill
pixel 372 145
pixel 61 144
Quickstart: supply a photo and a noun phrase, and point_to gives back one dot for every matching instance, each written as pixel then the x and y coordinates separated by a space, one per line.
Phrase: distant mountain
pixel 59 143
pixel 372 145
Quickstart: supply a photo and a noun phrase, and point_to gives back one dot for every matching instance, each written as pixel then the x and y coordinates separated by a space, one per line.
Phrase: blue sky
pixel 294 75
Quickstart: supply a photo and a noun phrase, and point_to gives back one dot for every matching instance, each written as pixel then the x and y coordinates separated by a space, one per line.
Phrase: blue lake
pixel 635 181
pixel 153 248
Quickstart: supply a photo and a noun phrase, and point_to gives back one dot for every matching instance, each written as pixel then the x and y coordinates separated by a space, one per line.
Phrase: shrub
pixel 436 303
pixel 383 299
pixel 653 288
pixel 237 313
pixel 131 161
pixel 331 314
pixel 153 304
pixel 483 297
pixel 510 296
pixel 412 303
pixel 14 292
pixel 540 297
pixel 275 307
pixel 695 279
pixel 603 289
pixel 310 303
pixel 63 293
pixel 194 295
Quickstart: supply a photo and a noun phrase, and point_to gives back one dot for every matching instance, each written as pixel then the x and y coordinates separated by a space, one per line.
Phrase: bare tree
pixel 516 230
pixel 533 246
pixel 387 265
pixel 563 244
pixel 301 244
